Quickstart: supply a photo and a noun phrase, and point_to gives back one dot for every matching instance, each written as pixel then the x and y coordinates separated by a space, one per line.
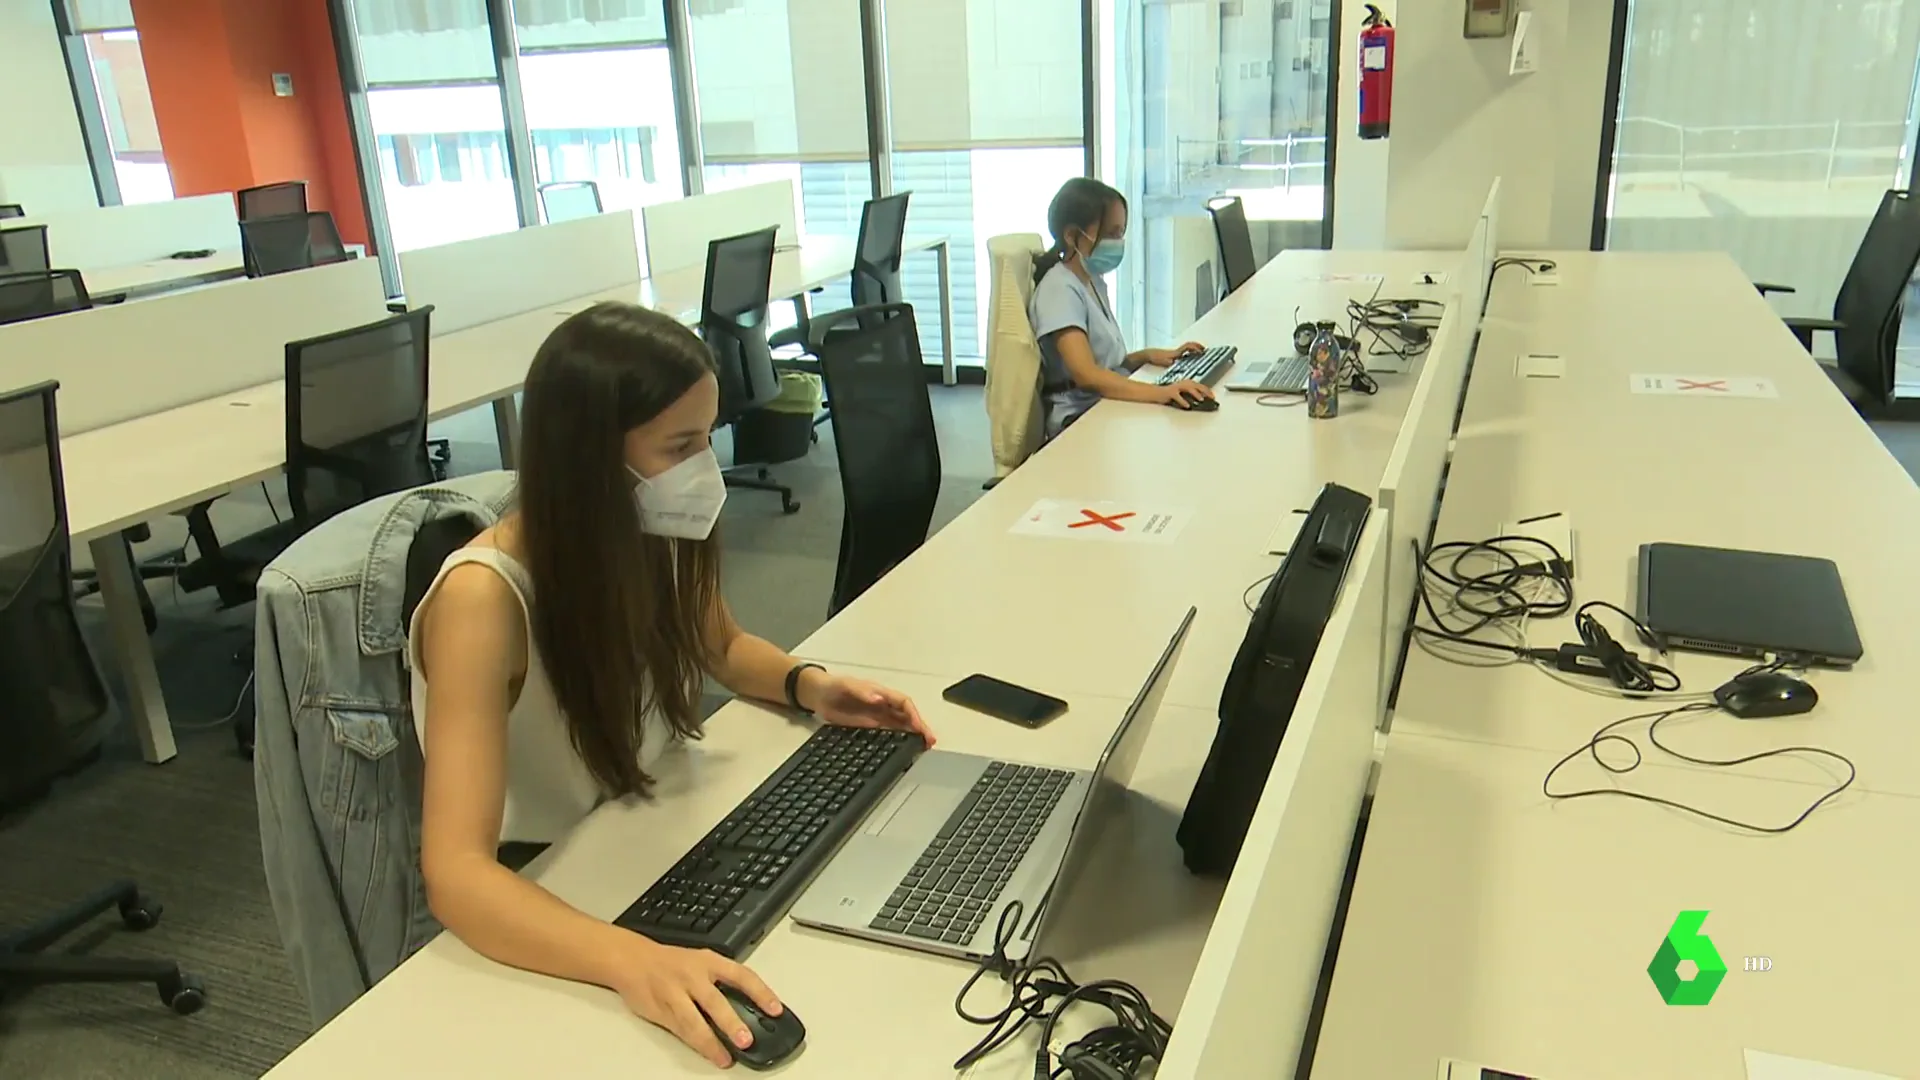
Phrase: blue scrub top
pixel 1062 301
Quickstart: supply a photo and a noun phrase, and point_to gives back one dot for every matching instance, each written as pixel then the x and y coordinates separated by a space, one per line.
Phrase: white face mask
pixel 684 502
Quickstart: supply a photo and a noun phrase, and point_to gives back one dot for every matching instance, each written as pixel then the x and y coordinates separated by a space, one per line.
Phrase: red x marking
pixel 1719 385
pixel 1111 521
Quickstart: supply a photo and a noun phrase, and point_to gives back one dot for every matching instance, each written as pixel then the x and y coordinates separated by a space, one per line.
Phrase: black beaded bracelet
pixel 793 686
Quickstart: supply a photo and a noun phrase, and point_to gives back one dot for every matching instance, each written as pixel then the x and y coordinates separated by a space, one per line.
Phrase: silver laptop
pixel 960 838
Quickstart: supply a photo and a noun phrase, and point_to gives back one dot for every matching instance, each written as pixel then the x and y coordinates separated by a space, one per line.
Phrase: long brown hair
pixel 619 617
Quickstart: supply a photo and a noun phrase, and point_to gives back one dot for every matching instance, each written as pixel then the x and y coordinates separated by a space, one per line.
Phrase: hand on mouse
pixel 678 989
pixel 1183 394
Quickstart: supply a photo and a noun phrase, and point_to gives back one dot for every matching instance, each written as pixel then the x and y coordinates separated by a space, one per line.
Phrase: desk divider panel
pixel 122 235
pixel 1246 1009
pixel 477 281
pixel 678 231
pixel 123 361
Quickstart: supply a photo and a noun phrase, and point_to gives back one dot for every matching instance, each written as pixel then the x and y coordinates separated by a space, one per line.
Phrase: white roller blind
pixel 423 41
pixel 580 24
pixel 779 80
pixel 86 16
pixel 974 73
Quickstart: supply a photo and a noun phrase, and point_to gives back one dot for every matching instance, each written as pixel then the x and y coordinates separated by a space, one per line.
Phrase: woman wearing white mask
pixel 560 651
pixel 1083 356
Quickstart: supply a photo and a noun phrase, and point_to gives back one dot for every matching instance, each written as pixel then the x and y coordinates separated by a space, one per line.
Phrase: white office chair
pixel 1013 356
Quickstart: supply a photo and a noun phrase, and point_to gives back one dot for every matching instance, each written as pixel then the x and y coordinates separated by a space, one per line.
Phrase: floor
pixel 188 833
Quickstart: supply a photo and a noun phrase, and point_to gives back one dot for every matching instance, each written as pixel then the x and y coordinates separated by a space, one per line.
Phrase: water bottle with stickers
pixel 1323 374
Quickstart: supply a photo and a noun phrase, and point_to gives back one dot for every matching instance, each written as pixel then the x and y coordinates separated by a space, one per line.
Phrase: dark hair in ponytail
pixel 1081 203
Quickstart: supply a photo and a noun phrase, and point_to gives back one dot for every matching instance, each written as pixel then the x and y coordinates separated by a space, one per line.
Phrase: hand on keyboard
pixel 849 702
pixel 673 987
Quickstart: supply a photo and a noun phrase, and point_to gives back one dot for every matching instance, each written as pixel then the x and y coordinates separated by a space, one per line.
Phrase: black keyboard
pixel 1204 368
pixel 737 881
pixel 952 887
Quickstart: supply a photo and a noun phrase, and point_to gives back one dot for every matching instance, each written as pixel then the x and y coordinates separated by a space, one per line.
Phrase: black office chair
pixel 733 320
pixel 1867 309
pixel 11 210
pixel 23 250
pixel 277 245
pixel 1236 242
pixel 272 200
pixel 565 200
pixel 884 435
pixel 38 294
pixel 52 704
pixel 877 254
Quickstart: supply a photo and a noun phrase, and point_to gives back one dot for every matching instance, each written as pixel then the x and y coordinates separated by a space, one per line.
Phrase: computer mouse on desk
pixel 1765 694
pixel 775 1038
pixel 1204 405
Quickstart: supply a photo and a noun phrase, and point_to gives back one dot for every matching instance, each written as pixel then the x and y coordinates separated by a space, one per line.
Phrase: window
pixel 133 136
pixel 1775 151
pixel 986 101
pixel 1216 102
pixel 606 116
pixel 443 163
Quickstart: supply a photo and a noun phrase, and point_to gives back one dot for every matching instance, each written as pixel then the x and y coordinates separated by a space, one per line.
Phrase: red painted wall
pixel 210 67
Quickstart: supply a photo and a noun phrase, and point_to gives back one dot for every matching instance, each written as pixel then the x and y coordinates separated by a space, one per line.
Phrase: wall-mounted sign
pixel 282 85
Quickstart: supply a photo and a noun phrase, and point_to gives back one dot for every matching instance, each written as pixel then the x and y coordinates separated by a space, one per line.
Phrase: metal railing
pixel 1828 141
pixel 1205 167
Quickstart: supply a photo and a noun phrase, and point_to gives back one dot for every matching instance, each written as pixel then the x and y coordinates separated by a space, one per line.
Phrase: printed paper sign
pixel 1368 279
pixel 1072 520
pixel 1704 386
pixel 1764 1066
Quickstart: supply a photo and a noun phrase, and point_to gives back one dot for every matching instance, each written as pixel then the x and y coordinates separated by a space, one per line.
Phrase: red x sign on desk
pixel 1717 385
pixel 1111 521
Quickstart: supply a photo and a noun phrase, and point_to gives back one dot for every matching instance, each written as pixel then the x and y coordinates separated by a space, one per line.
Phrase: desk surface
pixel 870 1010
pixel 161 275
pixel 1799 473
pixel 1490 925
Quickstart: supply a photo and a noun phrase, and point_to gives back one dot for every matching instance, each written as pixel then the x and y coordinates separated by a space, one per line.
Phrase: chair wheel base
pixel 789 504
pixel 140 912
pixel 184 996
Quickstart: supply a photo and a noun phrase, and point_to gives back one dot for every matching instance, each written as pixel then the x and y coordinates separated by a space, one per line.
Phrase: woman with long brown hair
pixel 561 650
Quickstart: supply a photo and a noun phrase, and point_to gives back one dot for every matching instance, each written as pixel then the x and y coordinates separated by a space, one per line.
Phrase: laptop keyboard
pixel 1287 376
pixel 952 887
pixel 1204 368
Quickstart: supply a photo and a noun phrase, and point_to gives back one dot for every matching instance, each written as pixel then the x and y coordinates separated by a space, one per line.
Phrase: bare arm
pixel 1087 374
pixel 754 667
pixel 475 646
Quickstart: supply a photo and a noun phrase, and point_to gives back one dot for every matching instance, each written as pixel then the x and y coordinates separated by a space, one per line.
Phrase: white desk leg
pixel 506 428
pixel 947 376
pixel 129 631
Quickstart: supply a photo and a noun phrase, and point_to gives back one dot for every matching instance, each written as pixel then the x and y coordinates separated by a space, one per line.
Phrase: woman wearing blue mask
pixel 565 647
pixel 1083 356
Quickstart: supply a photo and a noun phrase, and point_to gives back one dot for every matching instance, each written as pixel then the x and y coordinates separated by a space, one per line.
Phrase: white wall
pixel 43 161
pixel 1360 165
pixel 1460 120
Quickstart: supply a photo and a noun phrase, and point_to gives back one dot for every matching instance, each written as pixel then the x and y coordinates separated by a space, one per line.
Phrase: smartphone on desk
pixel 997 698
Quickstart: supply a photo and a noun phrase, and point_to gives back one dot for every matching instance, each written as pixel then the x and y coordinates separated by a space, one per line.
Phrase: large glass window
pixel 1217 99
pixel 433 100
pixel 987 108
pixel 126 107
pixel 1768 131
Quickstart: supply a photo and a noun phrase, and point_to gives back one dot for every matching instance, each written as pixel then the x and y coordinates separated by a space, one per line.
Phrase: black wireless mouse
pixel 1204 405
pixel 775 1038
pixel 1766 694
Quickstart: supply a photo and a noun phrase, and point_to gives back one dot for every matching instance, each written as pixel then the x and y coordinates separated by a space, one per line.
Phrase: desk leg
pixel 113 563
pixel 506 428
pixel 947 376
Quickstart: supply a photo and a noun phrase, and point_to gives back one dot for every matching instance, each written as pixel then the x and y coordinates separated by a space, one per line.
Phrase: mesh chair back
pixel 23 250
pixel 733 320
pixel 884 435
pixel 11 210
pixel 1236 243
pixel 51 695
pixel 273 200
pixel 877 252
pixel 35 296
pixel 277 245
pixel 565 200
pixel 357 415
pixel 1870 295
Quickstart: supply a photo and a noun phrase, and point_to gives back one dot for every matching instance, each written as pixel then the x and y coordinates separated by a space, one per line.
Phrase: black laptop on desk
pixel 1747 604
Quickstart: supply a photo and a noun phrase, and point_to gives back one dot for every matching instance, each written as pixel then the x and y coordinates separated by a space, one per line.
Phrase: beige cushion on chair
pixel 1013 356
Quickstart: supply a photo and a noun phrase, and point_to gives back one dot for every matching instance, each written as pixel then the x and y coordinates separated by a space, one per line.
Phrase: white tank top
pixel 549 789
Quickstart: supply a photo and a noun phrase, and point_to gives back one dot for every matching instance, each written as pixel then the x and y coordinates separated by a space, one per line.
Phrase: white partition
pixel 477 281
pixel 1476 270
pixel 121 361
pixel 121 235
pixel 1246 1009
pixel 678 232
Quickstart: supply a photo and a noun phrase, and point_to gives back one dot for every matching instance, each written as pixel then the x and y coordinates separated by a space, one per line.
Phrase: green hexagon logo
pixel 1683 942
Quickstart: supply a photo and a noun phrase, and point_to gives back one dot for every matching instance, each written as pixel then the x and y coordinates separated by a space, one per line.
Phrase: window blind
pixel 586 24
pixel 88 16
pixel 779 80
pixel 415 42
pixel 984 73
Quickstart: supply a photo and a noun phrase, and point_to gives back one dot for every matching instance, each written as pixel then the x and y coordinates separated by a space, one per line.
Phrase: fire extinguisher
pixel 1376 75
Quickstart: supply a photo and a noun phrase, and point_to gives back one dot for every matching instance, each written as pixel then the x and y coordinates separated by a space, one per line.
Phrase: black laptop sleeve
pixel 1268 671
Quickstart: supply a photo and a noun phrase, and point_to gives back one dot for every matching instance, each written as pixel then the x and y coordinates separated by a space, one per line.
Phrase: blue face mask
pixel 1105 257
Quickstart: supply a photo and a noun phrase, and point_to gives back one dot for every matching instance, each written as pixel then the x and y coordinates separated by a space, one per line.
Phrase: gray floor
pixel 187 830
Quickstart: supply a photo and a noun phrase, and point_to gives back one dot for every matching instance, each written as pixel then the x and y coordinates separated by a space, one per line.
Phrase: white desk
pixel 134 281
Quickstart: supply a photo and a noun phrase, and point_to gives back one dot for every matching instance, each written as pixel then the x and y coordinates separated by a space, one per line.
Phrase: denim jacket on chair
pixel 336 765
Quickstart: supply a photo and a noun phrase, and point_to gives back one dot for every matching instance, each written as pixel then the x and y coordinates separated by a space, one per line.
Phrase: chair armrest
pixel 1767 287
pixel 1804 327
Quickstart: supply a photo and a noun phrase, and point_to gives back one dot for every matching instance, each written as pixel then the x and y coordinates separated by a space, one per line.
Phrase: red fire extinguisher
pixel 1376 75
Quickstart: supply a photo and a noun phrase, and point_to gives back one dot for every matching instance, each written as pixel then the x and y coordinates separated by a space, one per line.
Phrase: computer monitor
pixel 1253 989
